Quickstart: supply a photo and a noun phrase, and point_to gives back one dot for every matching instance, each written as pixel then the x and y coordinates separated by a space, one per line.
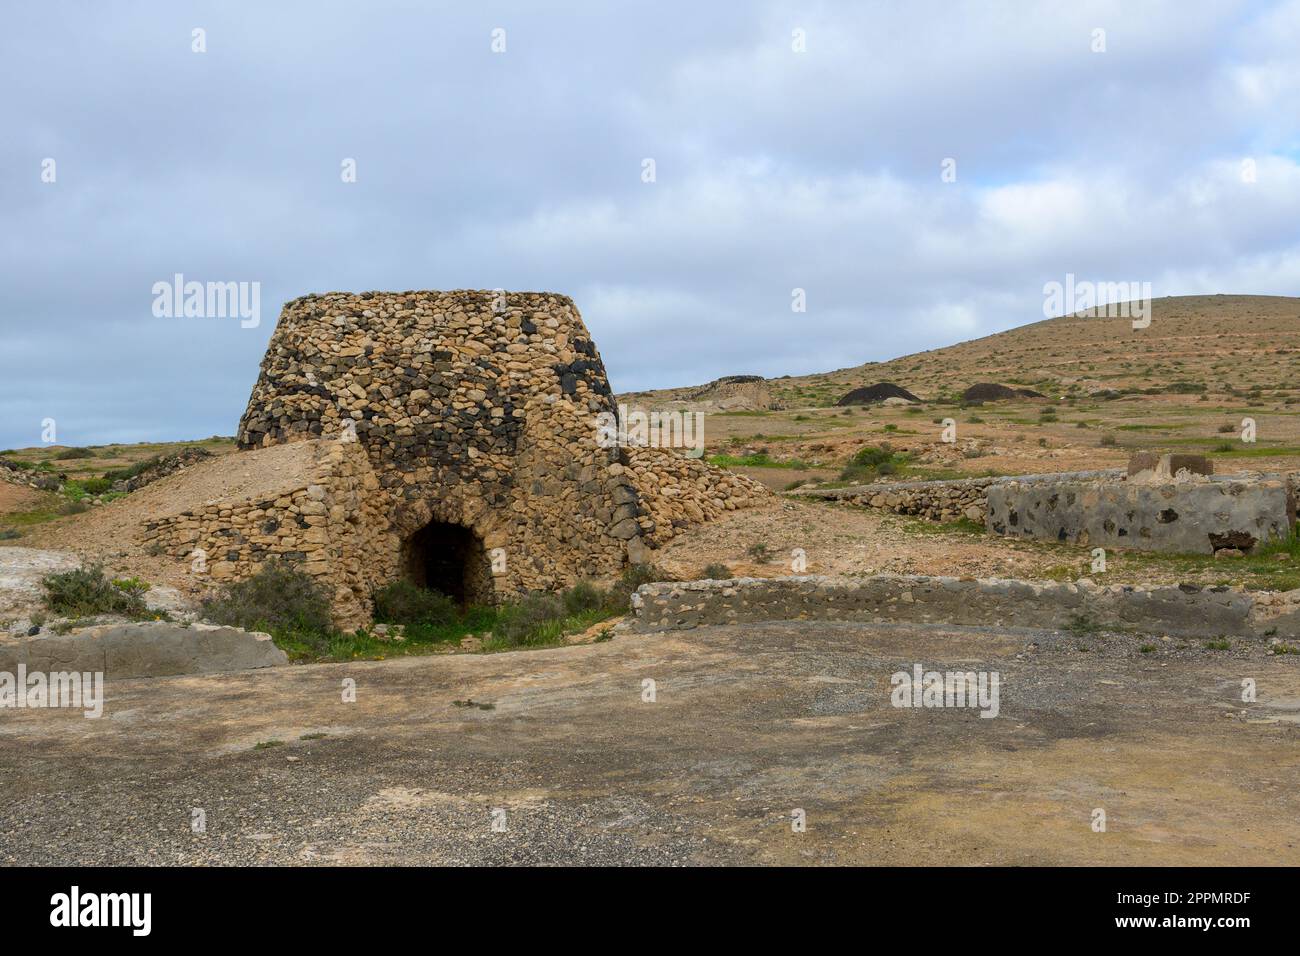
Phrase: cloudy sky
pixel 775 169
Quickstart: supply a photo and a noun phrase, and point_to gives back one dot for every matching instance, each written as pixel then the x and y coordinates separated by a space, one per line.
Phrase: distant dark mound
pixel 876 393
pixel 737 379
pixel 989 392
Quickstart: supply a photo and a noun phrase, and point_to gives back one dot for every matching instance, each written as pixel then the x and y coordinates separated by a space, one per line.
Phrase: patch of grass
pixel 86 591
pixel 756 460
pixel 758 551
pixel 1220 644
pixel 1147 649
pixel 1081 624
pixel 68 454
pixel 540 620
pixel 268 744
pixel 959 526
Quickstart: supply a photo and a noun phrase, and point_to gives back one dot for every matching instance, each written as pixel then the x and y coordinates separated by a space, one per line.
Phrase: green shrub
pixel 583 596
pixel 73 508
pixel 9 534
pixel 96 486
pixel 85 591
pixel 278 598
pixel 872 461
pixel 70 453
pixel 405 603
pixel 1107 441
pixel 717 572
pixel 521 624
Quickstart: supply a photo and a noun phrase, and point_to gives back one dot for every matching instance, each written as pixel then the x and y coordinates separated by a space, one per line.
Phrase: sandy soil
pixel 17 497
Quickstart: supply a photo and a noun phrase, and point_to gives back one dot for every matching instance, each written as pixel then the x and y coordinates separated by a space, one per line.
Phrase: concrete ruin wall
pixel 943 500
pixel 1183 610
pixel 473 410
pixel 1197 514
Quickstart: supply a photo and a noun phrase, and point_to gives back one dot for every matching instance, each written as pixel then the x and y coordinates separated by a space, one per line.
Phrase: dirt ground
pixel 17 497
pixel 841 539
pixel 748 725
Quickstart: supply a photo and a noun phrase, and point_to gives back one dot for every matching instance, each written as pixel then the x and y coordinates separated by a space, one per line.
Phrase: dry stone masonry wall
pixel 458 446
pixel 330 522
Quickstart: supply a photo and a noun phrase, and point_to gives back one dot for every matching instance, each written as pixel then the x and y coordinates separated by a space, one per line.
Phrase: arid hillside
pixel 1185 383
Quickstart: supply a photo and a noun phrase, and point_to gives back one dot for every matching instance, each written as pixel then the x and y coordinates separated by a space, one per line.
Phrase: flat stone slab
pixel 144 649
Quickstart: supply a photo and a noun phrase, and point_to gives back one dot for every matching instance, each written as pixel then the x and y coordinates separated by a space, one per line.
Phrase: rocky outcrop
pixel 144 649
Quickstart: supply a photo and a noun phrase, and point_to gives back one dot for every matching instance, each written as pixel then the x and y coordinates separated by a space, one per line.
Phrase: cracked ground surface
pixel 749 723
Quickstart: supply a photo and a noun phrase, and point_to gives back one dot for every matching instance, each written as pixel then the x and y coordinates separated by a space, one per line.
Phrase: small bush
pixel 96 486
pixel 8 534
pixel 85 591
pixel 634 575
pixel 279 598
pixel 1227 428
pixel 405 603
pixel 73 508
pixel 521 624
pixel 758 551
pixel 583 596
pixel 70 453
pixel 716 572
pixel 1107 441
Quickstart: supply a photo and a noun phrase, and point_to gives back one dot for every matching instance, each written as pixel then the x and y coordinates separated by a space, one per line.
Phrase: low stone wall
pixel 147 649
pixel 1196 514
pixel 330 522
pixel 1185 610
pixel 937 500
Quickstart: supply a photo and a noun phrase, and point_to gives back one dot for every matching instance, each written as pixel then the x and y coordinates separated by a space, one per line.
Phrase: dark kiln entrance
pixel 451 559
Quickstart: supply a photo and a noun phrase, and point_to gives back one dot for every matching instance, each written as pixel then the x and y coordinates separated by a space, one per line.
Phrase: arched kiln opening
pixel 449 558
